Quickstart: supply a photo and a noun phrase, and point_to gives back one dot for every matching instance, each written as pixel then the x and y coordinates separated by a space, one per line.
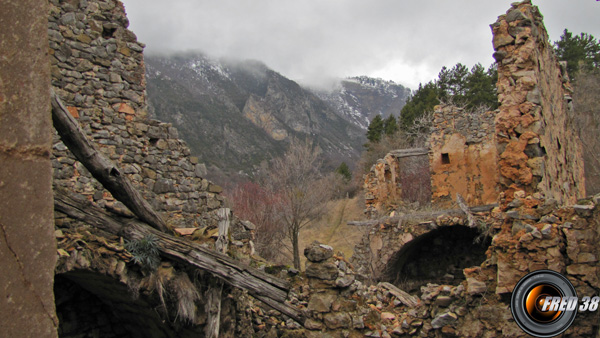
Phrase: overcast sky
pixel 312 41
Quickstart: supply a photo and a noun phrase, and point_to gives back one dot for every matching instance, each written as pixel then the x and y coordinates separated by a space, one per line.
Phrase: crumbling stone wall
pixel 463 156
pixel 400 178
pixel 539 170
pixel 537 144
pixel 27 246
pixel 98 70
pixel 529 144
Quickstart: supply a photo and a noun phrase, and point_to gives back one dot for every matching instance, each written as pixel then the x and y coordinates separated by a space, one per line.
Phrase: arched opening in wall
pixel 438 257
pixel 89 304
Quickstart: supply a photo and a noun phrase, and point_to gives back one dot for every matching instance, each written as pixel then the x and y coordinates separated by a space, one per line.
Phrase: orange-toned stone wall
pixel 537 146
pixel 401 177
pixel 463 157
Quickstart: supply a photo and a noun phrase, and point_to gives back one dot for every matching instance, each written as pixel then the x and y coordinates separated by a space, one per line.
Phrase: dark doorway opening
pixel 93 305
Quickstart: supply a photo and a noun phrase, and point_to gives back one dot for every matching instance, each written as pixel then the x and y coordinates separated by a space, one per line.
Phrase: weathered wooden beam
pixel 106 172
pixel 272 291
pixel 399 153
pixel 215 289
pixel 402 296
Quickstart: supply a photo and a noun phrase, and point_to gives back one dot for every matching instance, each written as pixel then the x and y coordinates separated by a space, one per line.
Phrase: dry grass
pixel 176 288
pixel 332 228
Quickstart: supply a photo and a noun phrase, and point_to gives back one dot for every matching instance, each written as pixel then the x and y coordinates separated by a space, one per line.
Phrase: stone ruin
pixel 529 143
pixel 520 169
pixel 97 69
pixel 523 158
pixel 461 157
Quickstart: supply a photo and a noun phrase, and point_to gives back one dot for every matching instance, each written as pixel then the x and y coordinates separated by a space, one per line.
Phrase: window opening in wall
pixel 108 33
pixel 445 158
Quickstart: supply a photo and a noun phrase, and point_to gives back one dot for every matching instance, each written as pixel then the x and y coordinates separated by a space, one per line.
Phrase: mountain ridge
pixel 239 114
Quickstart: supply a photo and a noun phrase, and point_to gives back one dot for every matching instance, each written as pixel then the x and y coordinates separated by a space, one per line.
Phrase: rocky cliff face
pixel 358 99
pixel 237 114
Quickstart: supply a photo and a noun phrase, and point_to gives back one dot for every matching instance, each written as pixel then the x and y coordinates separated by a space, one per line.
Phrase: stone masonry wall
pixel 27 245
pixel 539 164
pixel 463 157
pixel 98 71
pixel 400 178
pixel 537 146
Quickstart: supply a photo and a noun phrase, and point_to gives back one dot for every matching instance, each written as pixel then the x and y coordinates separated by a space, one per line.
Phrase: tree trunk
pixel 268 289
pixel 107 173
pixel 296 249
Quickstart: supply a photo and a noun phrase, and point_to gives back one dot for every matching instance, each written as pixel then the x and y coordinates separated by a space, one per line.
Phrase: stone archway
pixel 89 304
pixel 437 256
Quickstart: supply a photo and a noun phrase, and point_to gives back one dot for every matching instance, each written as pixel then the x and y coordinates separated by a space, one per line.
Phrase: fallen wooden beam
pixel 272 291
pixel 106 172
pixel 405 298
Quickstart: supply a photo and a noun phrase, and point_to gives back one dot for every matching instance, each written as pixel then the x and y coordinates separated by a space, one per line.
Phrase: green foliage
pixel 422 101
pixel 481 87
pixel 390 126
pixel 145 251
pixel 457 85
pixel 452 83
pixel 344 171
pixel 375 129
pixel 582 52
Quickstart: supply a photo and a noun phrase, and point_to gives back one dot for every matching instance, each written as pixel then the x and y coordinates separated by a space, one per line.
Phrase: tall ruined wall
pixel 463 156
pixel 537 145
pixel 539 169
pixel 98 70
pixel 27 245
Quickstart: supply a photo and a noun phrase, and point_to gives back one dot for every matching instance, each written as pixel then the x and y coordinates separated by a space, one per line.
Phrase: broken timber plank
pixel 402 296
pixel 106 172
pixel 215 289
pixel 272 291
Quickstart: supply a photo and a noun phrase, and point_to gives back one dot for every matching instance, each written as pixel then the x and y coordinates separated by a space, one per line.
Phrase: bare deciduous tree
pixel 302 191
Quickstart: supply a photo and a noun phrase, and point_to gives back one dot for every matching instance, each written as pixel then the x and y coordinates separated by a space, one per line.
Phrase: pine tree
pixel 481 87
pixel 375 129
pixel 421 101
pixel 580 51
pixel 344 171
pixel 390 126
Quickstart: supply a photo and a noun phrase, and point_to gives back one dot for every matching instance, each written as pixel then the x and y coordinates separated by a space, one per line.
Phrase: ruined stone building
pixel 525 160
pixel 529 143
pixel 429 275
pixel 461 158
